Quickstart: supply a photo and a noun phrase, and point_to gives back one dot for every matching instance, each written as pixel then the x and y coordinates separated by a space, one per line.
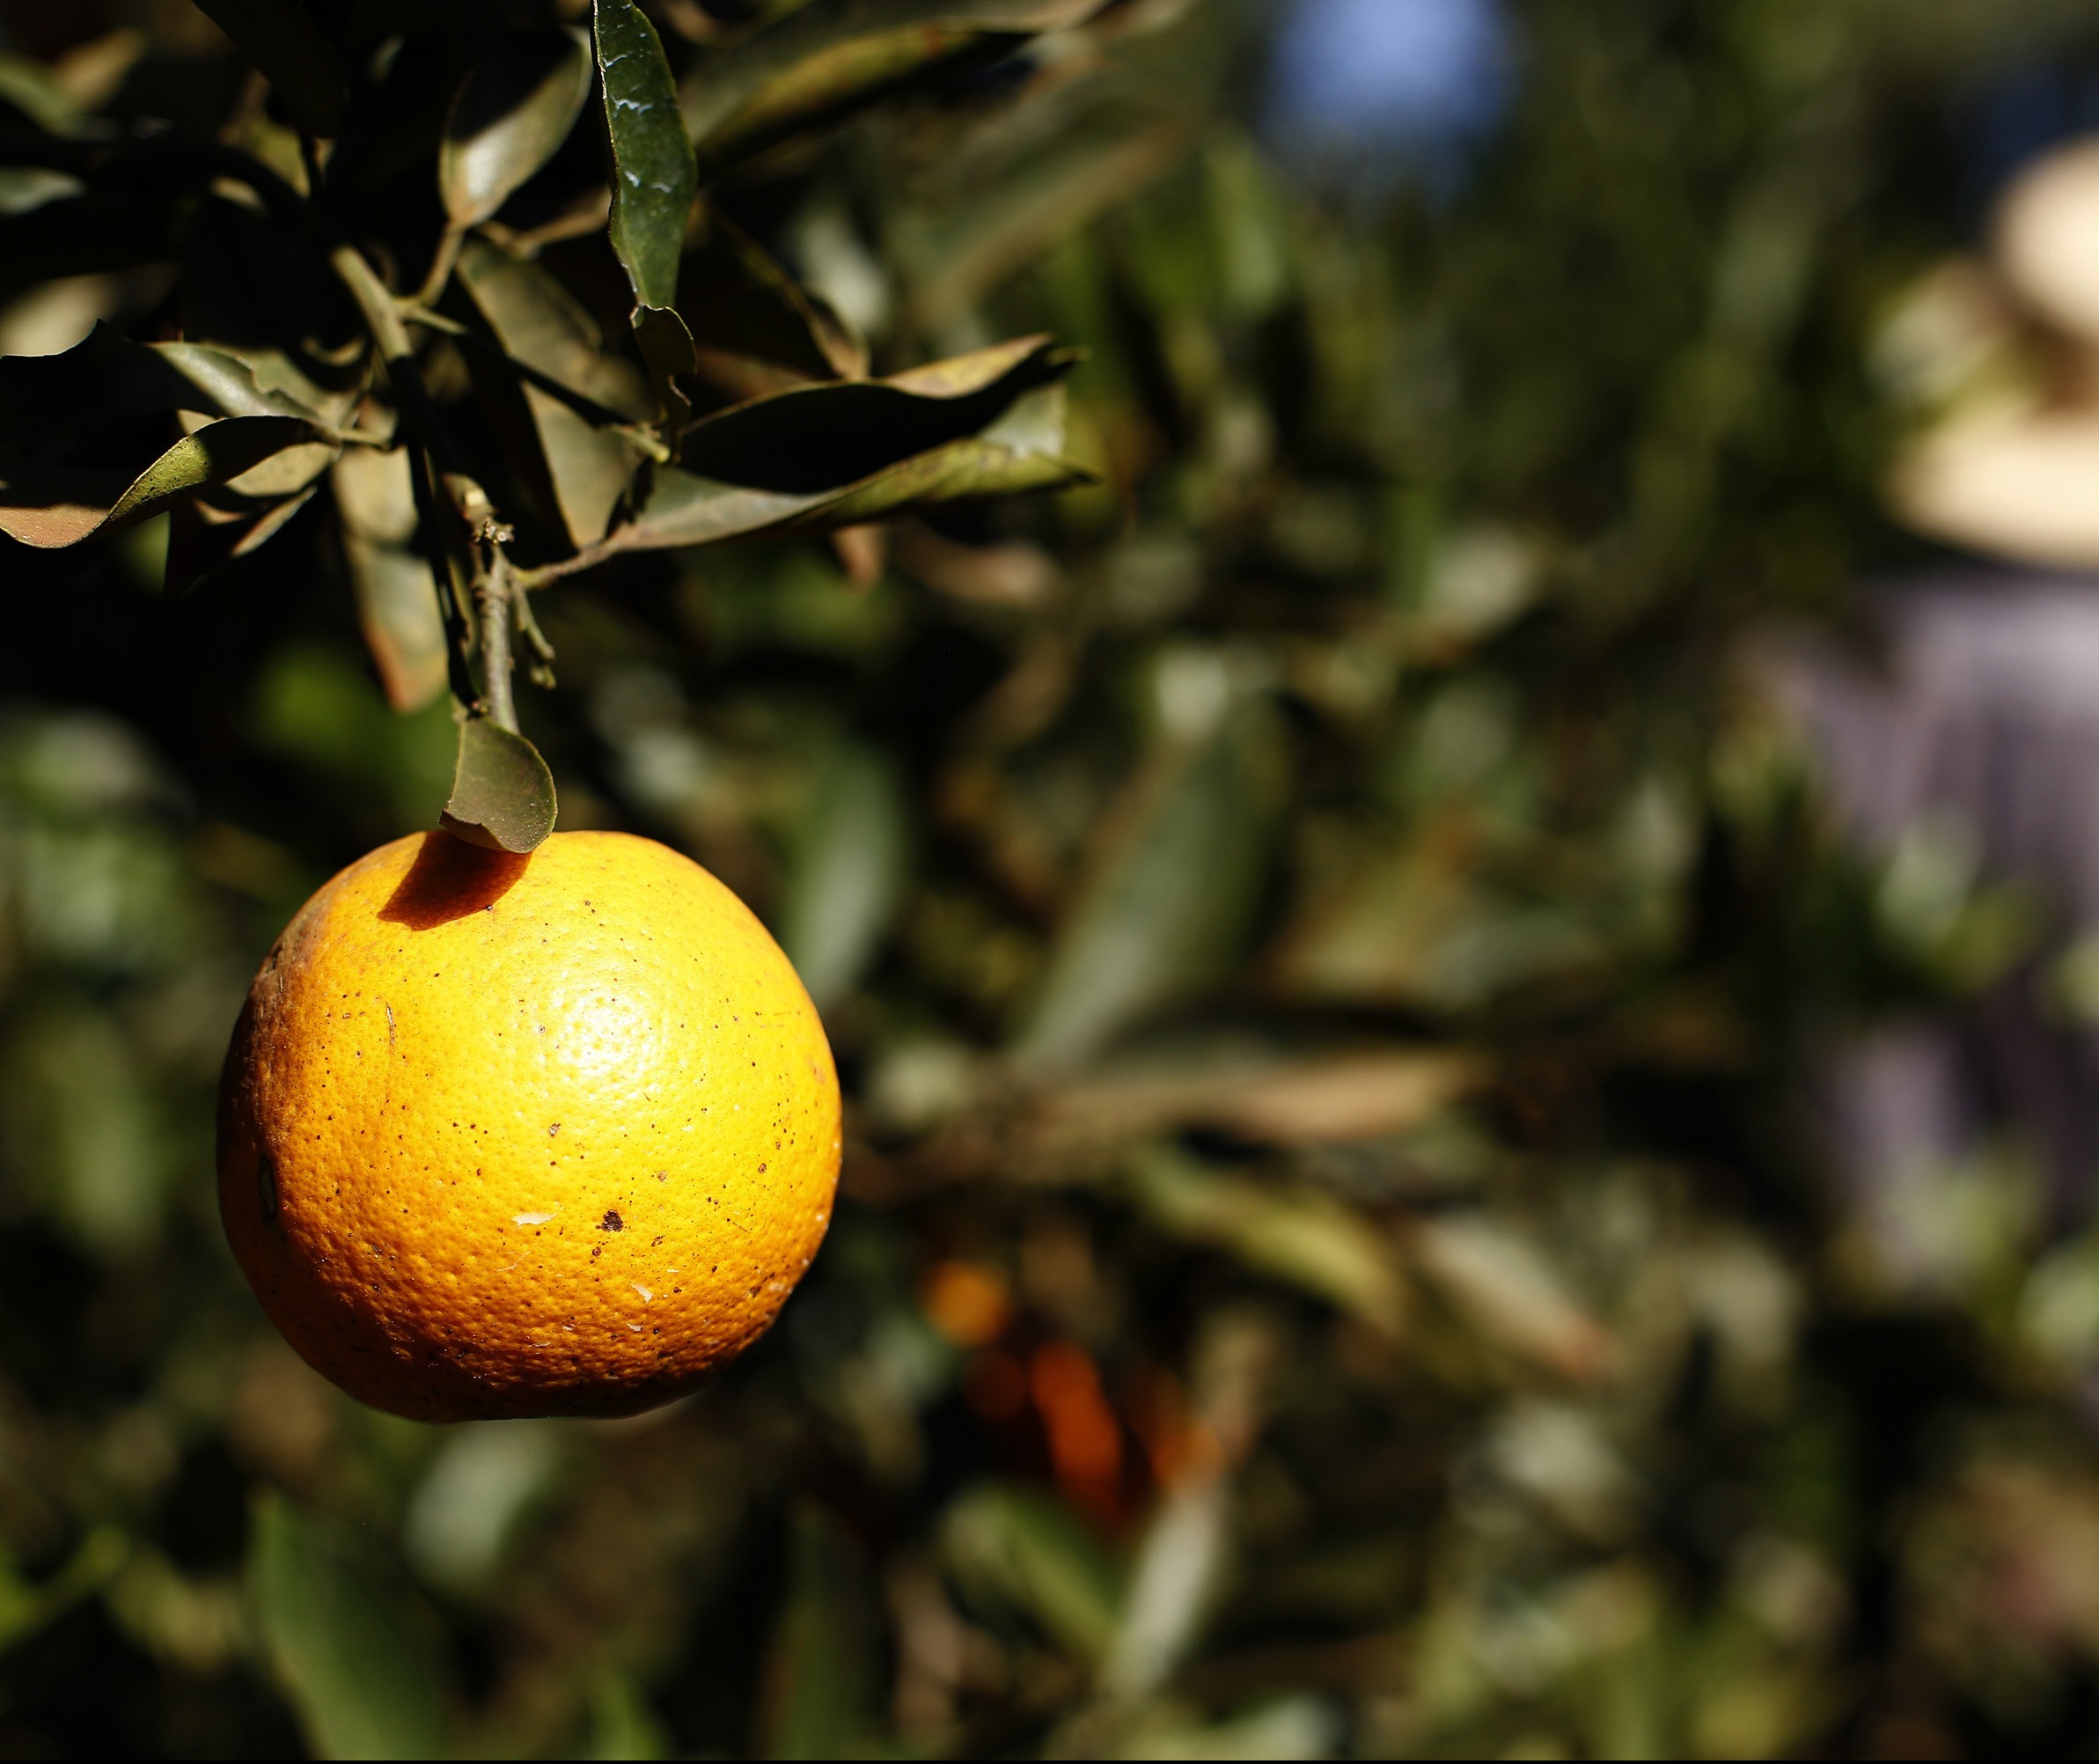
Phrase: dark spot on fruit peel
pixel 611 1222
pixel 265 1185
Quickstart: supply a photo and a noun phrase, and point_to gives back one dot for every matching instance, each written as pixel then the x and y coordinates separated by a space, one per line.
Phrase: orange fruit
pixel 505 1135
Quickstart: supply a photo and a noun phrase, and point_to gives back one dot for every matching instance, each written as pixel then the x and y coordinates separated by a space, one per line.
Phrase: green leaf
pixel 1172 892
pixel 501 792
pixel 826 60
pixel 512 114
pixel 821 1697
pixel 666 345
pixel 354 1649
pixel 53 506
pixel 654 180
pixel 27 85
pixel 540 326
pixel 280 36
pixel 1303 1238
pixel 1008 1547
pixel 848 874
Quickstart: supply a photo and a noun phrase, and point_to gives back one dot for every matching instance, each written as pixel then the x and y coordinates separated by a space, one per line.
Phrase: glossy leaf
pixel 654 180
pixel 51 506
pixel 826 60
pixel 511 116
pixel 354 1649
pixel 280 36
pixel 501 792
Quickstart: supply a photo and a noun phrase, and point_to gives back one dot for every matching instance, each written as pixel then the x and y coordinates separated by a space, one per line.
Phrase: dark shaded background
pixel 1343 964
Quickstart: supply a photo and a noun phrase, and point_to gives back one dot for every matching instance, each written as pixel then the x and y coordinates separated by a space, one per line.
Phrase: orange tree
pixel 1320 942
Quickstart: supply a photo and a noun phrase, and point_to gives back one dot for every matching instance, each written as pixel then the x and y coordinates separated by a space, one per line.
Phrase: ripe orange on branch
pixel 522 1136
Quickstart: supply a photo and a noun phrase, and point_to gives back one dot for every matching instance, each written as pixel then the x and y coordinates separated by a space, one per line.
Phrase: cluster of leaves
pixel 1324 948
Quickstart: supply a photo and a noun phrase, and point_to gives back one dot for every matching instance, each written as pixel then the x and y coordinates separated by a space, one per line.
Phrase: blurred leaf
pixel 654 180
pixel 622 1723
pixel 396 594
pixel 826 59
pixel 986 241
pixel 1502 1285
pixel 1169 895
pixel 748 315
pixel 279 36
pixel 474 1496
pixel 821 1695
pixel 29 87
pixel 849 873
pixel 51 507
pixel 355 1650
pixel 512 114
pixel 537 322
pixel 1307 1239
pixel 1005 1546
pixel 1334 1098
pixel 501 792
pixel 26 1608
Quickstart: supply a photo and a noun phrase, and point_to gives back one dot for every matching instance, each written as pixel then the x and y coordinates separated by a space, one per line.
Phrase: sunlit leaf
pixel 50 506
pixel 279 37
pixel 512 113
pixel 1503 1284
pixel 654 179
pixel 355 1650
pixel 824 60
pixel 501 792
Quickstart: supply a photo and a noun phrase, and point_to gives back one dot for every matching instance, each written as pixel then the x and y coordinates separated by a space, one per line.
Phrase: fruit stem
pixel 495 591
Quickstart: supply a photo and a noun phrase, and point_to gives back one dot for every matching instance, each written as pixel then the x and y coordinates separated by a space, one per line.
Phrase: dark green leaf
pixel 654 180
pixel 279 36
pixel 106 380
pixel 588 466
pixel 741 304
pixel 820 437
pixel 826 59
pixel 501 792
pixel 666 345
pixel 396 594
pixel 510 118
pixel 28 86
pixel 353 1647
pixel 51 507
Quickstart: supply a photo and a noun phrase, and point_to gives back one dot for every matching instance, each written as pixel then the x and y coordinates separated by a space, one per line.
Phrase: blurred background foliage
pixel 1328 944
